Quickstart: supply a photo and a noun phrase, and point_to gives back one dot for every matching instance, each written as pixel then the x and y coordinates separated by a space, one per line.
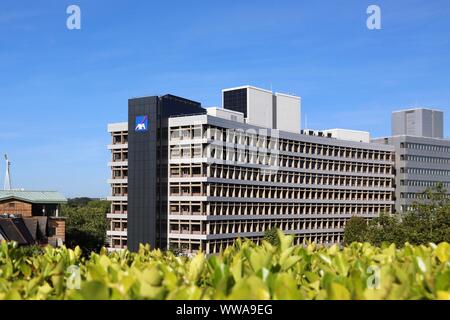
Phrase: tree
pixel 271 236
pixel 355 230
pixel 86 224
pixel 79 202
pixel 427 221
pixel 442 230
pixel 434 197
pixel 385 228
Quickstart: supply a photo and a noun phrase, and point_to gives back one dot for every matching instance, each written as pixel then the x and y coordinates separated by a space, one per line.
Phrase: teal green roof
pixel 48 197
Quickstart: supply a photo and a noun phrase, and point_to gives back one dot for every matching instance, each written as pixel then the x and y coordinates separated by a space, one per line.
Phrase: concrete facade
pixel 287 112
pixel 260 107
pixel 350 135
pixel 420 163
pixel 422 154
pixel 228 180
pixel 419 122
pixel 116 235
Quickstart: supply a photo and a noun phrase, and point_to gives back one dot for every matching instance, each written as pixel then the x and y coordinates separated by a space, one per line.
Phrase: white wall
pixel 259 110
pixel 116 127
pixel 349 135
pixel 288 113
pixel 226 114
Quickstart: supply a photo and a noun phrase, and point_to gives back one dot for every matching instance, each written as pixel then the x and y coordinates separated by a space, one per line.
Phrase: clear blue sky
pixel 60 88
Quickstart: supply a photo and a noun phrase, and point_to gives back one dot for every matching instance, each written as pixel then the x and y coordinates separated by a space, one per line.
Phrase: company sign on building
pixel 141 124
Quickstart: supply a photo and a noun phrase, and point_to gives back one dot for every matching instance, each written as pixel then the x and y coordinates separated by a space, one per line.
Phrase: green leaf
pixel 443 295
pixel 251 288
pixel 341 264
pixel 196 267
pixel 285 287
pixel 259 259
pixel 148 291
pixel 443 252
pixel 338 292
pixel 94 290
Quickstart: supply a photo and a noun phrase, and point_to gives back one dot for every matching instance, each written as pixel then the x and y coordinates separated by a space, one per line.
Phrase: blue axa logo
pixel 141 124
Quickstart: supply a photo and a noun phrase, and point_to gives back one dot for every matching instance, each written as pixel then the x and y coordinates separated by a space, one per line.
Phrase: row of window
pixel 120 173
pixel 267 192
pixel 278 160
pixel 253 138
pixel 120 155
pixel 118 225
pixel 267 209
pixel 271 208
pixel 119 137
pixel 216 246
pixel 119 207
pixel 271 192
pixel 187 170
pixel 244 226
pixel 410 157
pixel 186 152
pixel 421 183
pixel 412 195
pixel 224 227
pixel 233 209
pixel 259 139
pixel 186 133
pixel 424 147
pixel 117 242
pixel 424 171
pixel 260 175
pixel 120 191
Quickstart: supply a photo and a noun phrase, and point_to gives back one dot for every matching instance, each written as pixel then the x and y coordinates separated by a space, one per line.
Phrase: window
pixel 236 100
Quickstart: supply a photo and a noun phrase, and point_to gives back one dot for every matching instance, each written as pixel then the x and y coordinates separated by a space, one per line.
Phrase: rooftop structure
pixel 264 108
pixel 418 122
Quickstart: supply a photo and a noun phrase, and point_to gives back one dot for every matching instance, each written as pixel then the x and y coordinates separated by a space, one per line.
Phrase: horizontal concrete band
pixel 275 184
pixel 320 232
pixel 267 217
pixel 277 168
pixel 265 200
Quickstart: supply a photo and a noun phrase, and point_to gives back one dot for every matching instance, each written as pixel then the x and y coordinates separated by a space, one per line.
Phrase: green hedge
pixel 243 271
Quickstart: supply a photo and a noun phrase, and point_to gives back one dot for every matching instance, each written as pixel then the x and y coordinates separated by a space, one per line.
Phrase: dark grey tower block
pixel 147 166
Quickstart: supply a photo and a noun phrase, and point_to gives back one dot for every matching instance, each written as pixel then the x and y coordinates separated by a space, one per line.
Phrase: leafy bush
pixel 243 271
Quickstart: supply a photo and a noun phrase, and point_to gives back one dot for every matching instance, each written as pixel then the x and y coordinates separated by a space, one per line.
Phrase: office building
pixel 422 155
pixel 238 171
pixel 139 171
pixel 116 234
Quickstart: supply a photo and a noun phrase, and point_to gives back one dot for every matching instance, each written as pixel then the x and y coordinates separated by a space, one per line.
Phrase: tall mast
pixel 7 185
